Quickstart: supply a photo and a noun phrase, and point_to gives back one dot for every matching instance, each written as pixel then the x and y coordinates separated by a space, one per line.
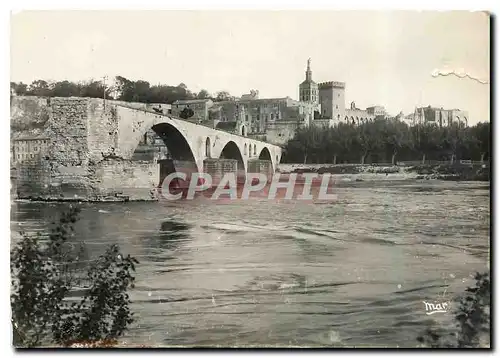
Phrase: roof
pixel 226 126
pixel 264 100
pixel 189 101
pixel 308 82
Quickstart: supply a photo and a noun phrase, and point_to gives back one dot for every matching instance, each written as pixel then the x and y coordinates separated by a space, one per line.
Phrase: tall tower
pixel 308 90
pixel 332 100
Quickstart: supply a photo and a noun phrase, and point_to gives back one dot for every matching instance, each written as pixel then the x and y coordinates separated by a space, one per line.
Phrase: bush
pixel 45 273
pixel 472 318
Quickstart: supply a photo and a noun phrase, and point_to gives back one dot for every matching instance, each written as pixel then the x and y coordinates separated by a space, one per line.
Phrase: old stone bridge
pixel 90 145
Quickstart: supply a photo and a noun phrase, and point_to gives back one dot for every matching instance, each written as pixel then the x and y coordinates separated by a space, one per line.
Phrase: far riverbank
pixel 455 172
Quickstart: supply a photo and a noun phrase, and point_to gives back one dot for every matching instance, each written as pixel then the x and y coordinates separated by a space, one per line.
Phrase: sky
pixel 385 58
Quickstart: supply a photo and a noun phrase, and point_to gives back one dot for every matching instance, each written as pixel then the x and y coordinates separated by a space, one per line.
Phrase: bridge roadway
pixel 186 141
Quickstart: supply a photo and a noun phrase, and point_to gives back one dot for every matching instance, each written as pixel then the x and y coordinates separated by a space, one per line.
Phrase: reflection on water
pixel 351 272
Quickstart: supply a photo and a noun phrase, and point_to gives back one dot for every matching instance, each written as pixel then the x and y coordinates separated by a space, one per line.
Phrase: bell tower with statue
pixel 308 90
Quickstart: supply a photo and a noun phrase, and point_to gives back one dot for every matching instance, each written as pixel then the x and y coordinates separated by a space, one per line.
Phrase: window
pixel 336 106
pixel 18 156
pixel 272 117
pixel 31 155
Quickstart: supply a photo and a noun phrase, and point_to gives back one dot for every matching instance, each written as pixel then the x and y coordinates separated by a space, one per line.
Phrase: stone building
pixel 27 148
pixel 332 100
pixel 438 116
pixel 258 117
pixel 277 119
pixel 378 111
pixel 200 108
pixel 357 116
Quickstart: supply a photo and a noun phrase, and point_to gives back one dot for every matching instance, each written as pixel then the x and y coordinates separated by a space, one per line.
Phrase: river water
pixel 352 272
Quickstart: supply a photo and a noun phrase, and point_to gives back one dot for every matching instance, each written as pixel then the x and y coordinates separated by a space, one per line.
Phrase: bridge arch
pixel 178 147
pixel 265 154
pixel 232 151
pixel 207 148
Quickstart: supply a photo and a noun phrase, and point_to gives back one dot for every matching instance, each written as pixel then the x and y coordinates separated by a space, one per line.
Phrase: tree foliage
pixel 472 319
pixel 45 273
pixel 186 113
pixel 387 141
pixel 122 89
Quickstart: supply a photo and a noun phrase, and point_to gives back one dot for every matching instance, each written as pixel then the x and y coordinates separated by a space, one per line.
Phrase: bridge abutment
pixel 217 168
pixel 262 167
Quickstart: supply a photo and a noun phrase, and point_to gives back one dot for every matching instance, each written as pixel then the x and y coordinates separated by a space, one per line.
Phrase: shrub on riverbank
pixel 453 172
pixel 472 320
pixel 44 274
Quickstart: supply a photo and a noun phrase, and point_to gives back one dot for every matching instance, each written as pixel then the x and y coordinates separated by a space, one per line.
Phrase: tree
pixel 186 113
pixel 93 89
pixel 19 89
pixel 124 88
pixel 223 96
pixel 141 92
pixel 396 137
pixel 44 277
pixel 39 88
pixel 203 94
pixel 472 319
pixel 66 89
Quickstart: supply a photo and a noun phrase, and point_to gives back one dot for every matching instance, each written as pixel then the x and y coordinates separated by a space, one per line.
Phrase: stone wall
pixel 126 179
pixel 61 171
pixel 102 129
pixel 279 133
pixel 28 114
pixel 218 167
pixel 67 130
pixel 32 179
pixel 261 166
pixel 149 107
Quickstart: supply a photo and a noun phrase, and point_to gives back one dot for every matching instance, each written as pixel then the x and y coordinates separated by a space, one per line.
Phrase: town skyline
pixel 266 51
